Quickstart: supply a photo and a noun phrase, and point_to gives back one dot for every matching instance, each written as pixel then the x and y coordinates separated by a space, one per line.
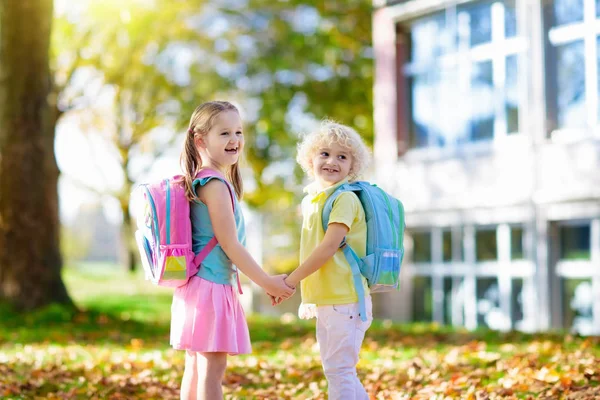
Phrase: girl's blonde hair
pixel 331 132
pixel 201 122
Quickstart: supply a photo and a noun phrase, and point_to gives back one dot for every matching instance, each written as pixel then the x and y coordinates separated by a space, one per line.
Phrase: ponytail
pixel 190 164
pixel 235 177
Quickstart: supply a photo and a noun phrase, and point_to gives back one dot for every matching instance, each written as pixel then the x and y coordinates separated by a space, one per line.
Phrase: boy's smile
pixel 331 164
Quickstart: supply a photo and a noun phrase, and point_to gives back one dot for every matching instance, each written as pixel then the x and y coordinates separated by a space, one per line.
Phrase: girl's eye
pixel 239 133
pixel 342 157
pixel 325 154
pixel 225 133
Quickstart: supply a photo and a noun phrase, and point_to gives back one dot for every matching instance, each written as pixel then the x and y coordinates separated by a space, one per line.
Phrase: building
pixel 487 128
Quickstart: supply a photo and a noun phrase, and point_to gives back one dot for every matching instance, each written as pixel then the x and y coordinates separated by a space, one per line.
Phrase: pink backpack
pixel 164 235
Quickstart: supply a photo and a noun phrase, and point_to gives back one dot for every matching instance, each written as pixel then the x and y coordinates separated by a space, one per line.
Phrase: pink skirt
pixel 208 317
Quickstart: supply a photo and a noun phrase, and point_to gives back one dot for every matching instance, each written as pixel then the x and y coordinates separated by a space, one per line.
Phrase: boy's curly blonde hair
pixel 331 132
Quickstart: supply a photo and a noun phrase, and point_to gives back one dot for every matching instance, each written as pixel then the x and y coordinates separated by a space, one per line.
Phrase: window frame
pixel 497 50
pixel 465 271
pixel 588 31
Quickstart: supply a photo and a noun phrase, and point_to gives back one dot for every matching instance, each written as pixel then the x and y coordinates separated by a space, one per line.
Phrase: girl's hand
pixel 276 287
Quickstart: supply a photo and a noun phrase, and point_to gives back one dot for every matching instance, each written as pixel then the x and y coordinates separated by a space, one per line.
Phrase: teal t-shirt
pixel 216 267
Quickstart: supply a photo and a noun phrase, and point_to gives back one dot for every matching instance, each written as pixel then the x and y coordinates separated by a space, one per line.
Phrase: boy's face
pixel 331 164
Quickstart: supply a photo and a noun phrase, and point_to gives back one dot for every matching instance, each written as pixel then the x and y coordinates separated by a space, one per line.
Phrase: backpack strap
pixel 353 260
pixel 210 173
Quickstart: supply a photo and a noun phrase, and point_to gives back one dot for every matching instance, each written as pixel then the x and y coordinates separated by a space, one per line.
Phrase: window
pixel 447 246
pixel 576 246
pixel 516 243
pixel 422 302
pixel 488 304
pixel 573 63
pixel 421 247
pixel 575 242
pixel 463 75
pixel 578 303
pixel 486 247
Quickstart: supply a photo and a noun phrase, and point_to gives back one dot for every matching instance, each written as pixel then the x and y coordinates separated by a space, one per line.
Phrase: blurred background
pixel 482 115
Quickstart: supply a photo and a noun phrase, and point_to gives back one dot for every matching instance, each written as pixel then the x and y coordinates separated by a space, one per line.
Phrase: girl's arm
pixel 218 200
pixel 321 254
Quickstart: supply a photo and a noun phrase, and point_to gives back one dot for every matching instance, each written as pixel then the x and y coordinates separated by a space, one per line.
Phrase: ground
pixel 116 347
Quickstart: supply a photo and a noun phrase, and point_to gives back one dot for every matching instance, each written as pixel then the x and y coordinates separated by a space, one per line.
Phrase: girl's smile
pixel 224 142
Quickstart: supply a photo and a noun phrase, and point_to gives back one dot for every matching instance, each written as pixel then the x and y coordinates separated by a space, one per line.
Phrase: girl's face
pixel 224 142
pixel 331 164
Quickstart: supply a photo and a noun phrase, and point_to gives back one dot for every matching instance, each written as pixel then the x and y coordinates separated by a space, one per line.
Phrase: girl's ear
pixel 199 142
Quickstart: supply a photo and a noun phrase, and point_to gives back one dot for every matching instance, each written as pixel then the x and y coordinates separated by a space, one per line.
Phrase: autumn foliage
pixel 118 349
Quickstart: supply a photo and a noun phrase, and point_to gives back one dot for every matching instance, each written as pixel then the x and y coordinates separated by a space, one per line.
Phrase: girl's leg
pixel 211 370
pixel 189 383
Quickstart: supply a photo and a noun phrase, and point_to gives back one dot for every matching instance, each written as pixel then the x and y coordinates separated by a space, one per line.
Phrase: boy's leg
pixel 340 334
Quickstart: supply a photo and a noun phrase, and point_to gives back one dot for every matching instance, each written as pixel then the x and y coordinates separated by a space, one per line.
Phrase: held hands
pixel 275 300
pixel 277 288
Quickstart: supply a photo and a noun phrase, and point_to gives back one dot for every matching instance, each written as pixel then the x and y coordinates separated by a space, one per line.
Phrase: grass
pixel 117 348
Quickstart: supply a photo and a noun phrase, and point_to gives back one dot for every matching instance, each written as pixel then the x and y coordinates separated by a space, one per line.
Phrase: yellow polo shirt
pixel 332 283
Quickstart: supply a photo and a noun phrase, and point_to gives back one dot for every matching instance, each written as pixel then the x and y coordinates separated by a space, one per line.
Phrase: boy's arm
pixel 321 254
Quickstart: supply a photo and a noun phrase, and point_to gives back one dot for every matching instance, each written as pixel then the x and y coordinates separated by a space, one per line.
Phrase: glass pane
pixel 597 8
pixel 486 248
pixel 422 246
pixel 598 61
pixel 447 246
pixel 480 23
pixel 454 301
pixel 511 100
pixel 510 18
pixel 447 301
pixel 426 46
pixel 575 242
pixel 578 299
pixel 435 118
pixel 517 314
pixel 568 11
pixel 422 303
pixel 488 304
pixel 516 243
pixel 571 85
pixel 482 101
pixel 423 89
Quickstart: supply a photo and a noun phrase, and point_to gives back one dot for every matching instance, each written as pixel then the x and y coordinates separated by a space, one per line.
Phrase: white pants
pixel 340 333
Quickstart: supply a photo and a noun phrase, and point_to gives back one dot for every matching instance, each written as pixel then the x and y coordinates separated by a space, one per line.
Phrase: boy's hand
pixel 275 300
pixel 289 283
pixel 278 300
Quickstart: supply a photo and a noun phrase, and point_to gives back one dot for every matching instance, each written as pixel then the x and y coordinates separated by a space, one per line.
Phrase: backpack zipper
pixel 168 238
pixel 402 225
pixel 390 215
pixel 154 218
pixel 373 230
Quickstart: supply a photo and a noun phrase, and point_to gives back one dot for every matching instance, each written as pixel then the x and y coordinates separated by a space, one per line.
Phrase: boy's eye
pixel 225 133
pixel 239 133
pixel 325 154
pixel 342 157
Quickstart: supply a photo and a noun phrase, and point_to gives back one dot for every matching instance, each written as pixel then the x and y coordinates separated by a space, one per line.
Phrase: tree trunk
pixel 127 226
pixel 128 239
pixel 30 260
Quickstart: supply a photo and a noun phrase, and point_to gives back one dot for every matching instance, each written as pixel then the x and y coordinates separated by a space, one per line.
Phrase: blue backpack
pixel 384 215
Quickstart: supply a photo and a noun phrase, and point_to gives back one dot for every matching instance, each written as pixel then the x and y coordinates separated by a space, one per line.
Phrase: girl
pixel 331 156
pixel 207 318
